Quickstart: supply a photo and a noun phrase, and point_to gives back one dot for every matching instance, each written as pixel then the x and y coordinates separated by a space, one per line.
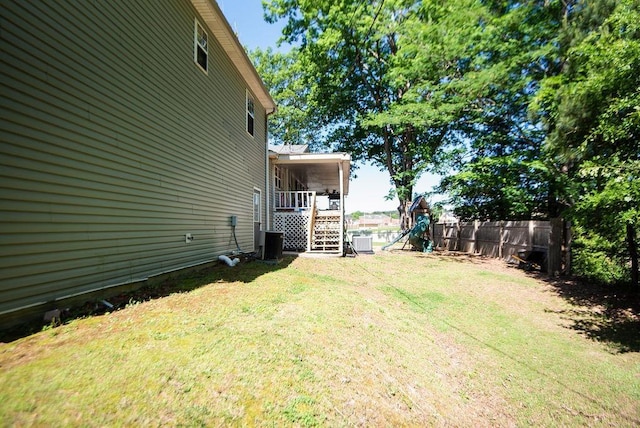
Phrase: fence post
pixel 554 252
pixel 532 231
pixel 567 248
pixel 500 245
pixel 445 241
pixel 475 236
pixel 432 234
pixel 445 236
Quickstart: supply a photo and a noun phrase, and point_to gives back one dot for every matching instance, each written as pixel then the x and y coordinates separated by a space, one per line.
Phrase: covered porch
pixel 308 198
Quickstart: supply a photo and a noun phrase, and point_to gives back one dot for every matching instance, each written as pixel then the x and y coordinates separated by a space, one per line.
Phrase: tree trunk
pixel 633 252
pixel 554 251
pixel 405 217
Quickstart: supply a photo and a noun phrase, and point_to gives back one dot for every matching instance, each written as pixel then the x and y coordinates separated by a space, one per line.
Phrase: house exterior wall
pixel 114 144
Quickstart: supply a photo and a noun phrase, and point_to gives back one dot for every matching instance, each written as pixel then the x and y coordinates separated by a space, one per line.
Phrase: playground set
pixel 418 236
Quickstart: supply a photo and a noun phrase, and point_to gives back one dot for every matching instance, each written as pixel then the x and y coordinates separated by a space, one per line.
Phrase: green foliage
pixel 376 90
pixel 499 172
pixel 437 209
pixel 505 187
pixel 592 261
pixel 356 215
pixel 557 126
pixel 592 113
pixel 283 74
pixel 600 217
pixel 535 105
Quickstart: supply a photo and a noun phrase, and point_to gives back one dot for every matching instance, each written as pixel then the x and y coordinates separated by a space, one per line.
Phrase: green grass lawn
pixel 393 339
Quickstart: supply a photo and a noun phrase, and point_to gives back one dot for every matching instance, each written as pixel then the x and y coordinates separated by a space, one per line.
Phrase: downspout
pixel 267 169
pixel 341 177
pixel 267 213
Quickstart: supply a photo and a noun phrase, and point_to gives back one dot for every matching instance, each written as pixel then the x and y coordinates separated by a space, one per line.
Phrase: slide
pixel 416 234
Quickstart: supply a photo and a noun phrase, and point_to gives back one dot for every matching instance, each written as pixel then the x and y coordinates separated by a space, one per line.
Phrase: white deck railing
pixel 299 200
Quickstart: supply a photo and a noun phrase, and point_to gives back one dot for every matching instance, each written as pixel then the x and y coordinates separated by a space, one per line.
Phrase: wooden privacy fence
pixel 503 239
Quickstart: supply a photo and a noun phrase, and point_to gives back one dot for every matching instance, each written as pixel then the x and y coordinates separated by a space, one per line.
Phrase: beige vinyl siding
pixel 114 144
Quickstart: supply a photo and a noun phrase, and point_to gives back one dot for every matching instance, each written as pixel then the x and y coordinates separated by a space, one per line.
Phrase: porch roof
pixel 289 149
pixel 306 165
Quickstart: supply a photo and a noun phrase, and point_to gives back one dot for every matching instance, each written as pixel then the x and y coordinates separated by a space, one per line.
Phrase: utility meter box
pixel 233 220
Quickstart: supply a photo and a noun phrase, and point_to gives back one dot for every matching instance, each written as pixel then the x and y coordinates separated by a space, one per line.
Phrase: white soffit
pixel 325 162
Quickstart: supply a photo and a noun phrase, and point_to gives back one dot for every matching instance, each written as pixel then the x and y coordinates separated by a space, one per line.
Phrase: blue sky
pixel 366 192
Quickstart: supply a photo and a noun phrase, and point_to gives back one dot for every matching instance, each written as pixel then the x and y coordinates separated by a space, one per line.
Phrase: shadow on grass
pixel 608 314
pixel 462 257
pixel 180 282
pixel 453 256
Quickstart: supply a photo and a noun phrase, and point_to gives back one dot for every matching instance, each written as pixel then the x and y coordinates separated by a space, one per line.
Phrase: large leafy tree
pixel 379 75
pixel 534 103
pixel 500 171
pixel 592 113
pixel 284 75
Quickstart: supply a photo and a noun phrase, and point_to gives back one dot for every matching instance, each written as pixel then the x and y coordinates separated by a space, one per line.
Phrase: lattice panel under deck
pixel 295 228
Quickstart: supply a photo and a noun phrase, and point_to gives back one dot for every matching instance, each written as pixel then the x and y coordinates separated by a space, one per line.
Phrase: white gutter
pixel 313 158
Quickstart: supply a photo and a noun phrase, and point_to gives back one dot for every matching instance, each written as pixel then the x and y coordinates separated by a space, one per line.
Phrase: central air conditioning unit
pixel 363 244
pixel 272 243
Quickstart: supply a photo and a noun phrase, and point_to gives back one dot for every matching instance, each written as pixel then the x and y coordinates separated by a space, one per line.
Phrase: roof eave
pixel 313 158
pixel 211 13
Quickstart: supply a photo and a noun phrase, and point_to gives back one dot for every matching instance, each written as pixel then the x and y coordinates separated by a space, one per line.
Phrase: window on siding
pixel 278 179
pixel 201 47
pixel 250 113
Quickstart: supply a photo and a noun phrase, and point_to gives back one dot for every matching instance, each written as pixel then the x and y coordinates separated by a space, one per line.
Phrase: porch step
pixel 326 234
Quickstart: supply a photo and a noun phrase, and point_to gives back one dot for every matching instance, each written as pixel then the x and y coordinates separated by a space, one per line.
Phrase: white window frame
pixel 251 113
pixel 277 178
pixel 257 216
pixel 199 44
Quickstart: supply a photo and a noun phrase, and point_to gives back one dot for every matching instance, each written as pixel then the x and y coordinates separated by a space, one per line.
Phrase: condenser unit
pixel 363 244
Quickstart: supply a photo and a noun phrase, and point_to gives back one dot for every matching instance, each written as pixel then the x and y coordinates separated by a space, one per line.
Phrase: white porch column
pixel 341 177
